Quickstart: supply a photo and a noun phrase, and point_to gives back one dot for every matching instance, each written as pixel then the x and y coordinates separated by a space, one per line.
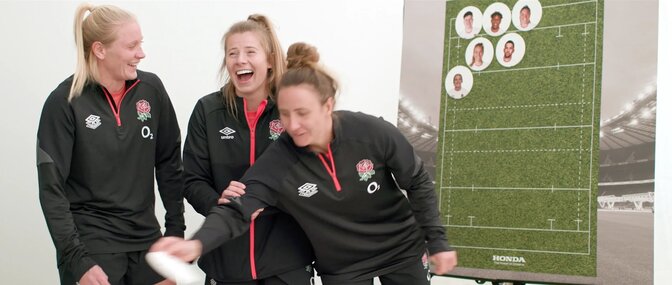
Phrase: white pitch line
pixel 517 106
pixel 514 188
pixel 568 4
pixel 539 67
pixel 519 128
pixel 514 229
pixel 537 28
pixel 518 249
pixel 592 136
pixel 445 116
pixel 565 26
pixel 518 150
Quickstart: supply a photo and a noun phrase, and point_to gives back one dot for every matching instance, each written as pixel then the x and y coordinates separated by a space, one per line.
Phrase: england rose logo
pixel 276 129
pixel 365 169
pixel 143 109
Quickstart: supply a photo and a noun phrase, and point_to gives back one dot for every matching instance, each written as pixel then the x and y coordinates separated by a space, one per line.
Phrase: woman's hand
pixel 94 276
pixel 444 261
pixel 186 250
pixel 235 189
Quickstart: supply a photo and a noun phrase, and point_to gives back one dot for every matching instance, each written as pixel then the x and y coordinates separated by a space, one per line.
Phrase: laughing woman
pixel 336 173
pixel 228 131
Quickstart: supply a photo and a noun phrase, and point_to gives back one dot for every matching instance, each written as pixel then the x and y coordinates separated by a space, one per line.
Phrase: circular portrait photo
pixel 510 49
pixel 468 22
pixel 496 19
pixel 479 54
pixel 526 14
pixel 459 82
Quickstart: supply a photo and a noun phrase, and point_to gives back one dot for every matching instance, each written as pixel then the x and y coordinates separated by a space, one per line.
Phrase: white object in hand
pixel 171 267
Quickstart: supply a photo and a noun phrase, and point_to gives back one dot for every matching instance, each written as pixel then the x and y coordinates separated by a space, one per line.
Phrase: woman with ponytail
pixel 339 174
pixel 104 133
pixel 228 131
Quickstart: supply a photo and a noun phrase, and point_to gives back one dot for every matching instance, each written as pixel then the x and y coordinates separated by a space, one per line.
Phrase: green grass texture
pixel 517 159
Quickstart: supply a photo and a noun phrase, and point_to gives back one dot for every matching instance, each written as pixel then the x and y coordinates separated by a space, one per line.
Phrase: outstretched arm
pixel 411 176
pixel 225 222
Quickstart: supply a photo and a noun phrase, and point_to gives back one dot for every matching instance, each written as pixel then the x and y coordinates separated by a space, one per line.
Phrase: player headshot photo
pixel 479 54
pixel 524 17
pixel 496 19
pixel 510 49
pixel 526 14
pixel 459 81
pixel 468 22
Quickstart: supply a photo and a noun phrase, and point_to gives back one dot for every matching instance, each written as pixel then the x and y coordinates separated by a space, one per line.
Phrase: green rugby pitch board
pixel 517 157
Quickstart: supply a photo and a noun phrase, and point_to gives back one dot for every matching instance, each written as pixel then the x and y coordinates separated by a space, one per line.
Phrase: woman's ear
pixel 330 105
pixel 98 50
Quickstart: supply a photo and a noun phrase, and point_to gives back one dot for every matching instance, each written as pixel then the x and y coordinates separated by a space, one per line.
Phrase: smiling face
pixel 525 17
pixel 495 20
pixel 118 61
pixel 307 120
pixel 478 55
pixel 247 64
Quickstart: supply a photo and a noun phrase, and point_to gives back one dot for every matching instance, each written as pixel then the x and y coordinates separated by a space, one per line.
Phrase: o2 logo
pixel 147 133
pixel 373 187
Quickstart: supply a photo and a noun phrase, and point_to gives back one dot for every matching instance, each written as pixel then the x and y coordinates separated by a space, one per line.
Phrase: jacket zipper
pixel 253 143
pixel 332 170
pixel 116 111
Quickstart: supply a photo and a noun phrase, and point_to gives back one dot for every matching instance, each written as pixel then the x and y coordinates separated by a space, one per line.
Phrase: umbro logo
pixel 307 190
pixel 227 133
pixel 92 122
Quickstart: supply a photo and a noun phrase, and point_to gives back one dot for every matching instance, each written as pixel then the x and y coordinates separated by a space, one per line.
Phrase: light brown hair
pixel 262 26
pixel 303 68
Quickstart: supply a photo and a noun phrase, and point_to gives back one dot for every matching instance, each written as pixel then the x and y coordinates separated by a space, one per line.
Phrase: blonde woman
pixel 103 135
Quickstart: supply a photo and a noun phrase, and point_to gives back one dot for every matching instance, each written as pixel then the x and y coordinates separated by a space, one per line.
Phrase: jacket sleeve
pixel 411 176
pixel 198 179
pixel 228 221
pixel 169 167
pixel 55 140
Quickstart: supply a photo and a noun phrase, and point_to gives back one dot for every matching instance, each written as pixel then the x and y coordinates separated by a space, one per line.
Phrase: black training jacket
pixel 359 222
pixel 96 164
pixel 220 148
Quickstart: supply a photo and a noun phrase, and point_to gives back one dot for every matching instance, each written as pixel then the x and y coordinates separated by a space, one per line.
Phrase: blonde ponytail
pixel 81 75
pixel 100 25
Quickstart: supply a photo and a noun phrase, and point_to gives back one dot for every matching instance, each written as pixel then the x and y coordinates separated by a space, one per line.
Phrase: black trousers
pixel 124 268
pixel 300 276
pixel 416 273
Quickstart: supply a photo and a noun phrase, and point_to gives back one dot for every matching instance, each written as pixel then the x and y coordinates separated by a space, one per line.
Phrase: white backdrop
pixel 360 41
